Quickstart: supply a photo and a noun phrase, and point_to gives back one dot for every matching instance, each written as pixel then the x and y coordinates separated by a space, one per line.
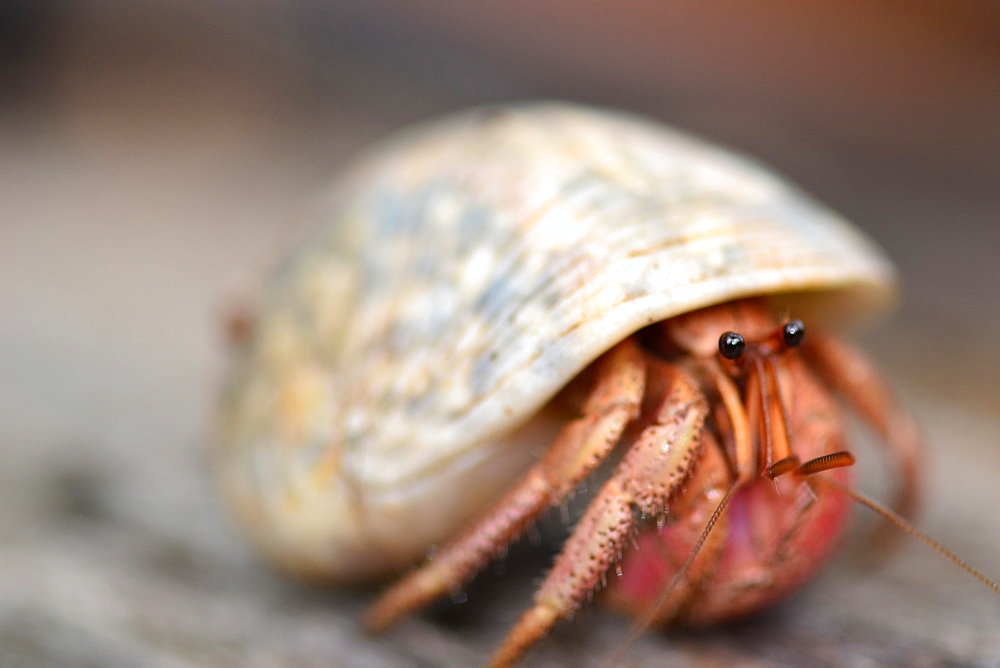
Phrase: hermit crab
pixel 497 307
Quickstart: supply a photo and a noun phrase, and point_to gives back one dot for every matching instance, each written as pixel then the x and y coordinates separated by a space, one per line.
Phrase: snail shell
pixel 393 382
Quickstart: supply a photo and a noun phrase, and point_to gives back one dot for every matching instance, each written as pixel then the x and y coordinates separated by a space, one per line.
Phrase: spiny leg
pixel 611 403
pixel 665 572
pixel 853 376
pixel 664 577
pixel 651 471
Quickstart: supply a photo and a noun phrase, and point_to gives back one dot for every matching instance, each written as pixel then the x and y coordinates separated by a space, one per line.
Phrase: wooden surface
pixel 143 184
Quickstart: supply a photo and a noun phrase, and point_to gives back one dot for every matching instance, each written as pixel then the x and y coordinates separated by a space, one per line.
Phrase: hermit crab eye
pixel 731 345
pixel 792 333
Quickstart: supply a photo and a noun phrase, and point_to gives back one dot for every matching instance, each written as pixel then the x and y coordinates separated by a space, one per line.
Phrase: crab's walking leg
pixel 613 401
pixel 850 373
pixel 650 472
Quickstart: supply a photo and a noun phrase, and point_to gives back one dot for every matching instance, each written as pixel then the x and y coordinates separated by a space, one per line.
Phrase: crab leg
pixel 651 471
pixel 850 373
pixel 611 404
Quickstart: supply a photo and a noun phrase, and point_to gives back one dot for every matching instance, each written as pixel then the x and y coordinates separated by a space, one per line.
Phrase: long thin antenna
pixel 643 623
pixel 907 527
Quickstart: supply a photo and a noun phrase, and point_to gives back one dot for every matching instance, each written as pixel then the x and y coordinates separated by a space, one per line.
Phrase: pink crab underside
pixel 774 535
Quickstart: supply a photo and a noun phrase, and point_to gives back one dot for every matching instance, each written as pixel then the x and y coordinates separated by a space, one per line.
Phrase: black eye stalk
pixel 792 333
pixel 731 345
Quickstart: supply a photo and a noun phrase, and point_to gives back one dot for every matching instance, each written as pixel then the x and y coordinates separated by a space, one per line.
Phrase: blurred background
pixel 155 156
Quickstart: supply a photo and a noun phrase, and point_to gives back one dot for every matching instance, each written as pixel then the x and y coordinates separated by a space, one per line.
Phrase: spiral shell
pixel 464 273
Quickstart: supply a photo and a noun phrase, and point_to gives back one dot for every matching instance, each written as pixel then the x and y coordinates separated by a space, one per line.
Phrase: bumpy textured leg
pixel 612 402
pixel 644 587
pixel 850 373
pixel 653 469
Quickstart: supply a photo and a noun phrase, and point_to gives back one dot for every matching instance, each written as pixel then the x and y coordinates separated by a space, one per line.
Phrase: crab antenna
pixel 642 624
pixel 896 519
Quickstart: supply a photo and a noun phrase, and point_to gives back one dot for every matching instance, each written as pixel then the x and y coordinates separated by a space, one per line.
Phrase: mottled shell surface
pixel 461 276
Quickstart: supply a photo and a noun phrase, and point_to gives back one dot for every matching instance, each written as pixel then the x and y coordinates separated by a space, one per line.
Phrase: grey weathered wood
pixel 126 226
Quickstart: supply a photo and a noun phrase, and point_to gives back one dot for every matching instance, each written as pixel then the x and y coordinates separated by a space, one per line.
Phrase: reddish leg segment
pixel 651 471
pixel 850 374
pixel 612 402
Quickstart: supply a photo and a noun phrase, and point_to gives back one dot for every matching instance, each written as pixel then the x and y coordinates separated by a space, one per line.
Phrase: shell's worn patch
pixel 409 369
